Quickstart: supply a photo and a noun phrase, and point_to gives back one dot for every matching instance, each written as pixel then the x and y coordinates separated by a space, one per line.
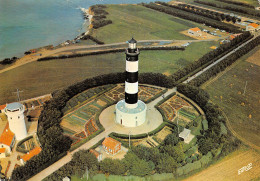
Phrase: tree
pixel 83 160
pixel 142 152
pixel 141 168
pixel 129 158
pixel 171 139
pixel 166 164
pixel 176 152
pixel 116 166
pixel 234 19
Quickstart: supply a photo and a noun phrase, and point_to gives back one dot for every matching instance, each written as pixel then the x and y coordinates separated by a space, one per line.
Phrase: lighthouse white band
pixel 131 106
pixel 132 45
pixel 131 88
pixel 131 66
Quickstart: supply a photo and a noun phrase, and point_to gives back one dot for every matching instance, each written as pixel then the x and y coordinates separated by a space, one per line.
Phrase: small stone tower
pixel 15 116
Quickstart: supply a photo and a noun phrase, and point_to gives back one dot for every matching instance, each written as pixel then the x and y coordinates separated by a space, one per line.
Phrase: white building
pixel 185 135
pixel 15 116
pixel 195 32
pixel 252 27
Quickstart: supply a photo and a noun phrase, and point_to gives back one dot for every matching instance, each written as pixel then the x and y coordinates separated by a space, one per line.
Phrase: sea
pixel 28 24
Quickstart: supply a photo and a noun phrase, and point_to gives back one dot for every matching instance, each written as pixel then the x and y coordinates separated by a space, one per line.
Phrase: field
pixel 39 78
pixel 227 169
pixel 242 110
pixel 142 23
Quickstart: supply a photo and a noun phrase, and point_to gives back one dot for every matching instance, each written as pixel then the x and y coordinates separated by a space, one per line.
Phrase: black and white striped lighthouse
pixel 131 79
pixel 131 112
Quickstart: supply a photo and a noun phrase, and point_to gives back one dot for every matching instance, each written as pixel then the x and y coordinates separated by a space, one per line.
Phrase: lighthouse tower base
pixel 130 117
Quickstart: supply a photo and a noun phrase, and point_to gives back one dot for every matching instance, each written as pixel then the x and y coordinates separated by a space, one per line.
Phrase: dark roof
pixel 132 41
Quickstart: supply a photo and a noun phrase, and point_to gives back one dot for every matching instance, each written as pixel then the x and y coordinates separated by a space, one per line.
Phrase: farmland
pixel 242 109
pixel 142 23
pixel 227 168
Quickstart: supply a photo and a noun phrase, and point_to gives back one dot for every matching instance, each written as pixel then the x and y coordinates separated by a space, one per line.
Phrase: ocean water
pixel 27 24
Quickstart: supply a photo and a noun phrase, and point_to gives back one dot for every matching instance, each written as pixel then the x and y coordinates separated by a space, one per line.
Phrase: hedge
pixel 144 135
pixel 165 99
pixel 107 51
pixel 83 141
pixel 156 96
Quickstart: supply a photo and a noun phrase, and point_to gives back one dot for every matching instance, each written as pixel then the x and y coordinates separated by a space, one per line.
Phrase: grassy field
pixel 227 168
pixel 39 78
pixel 243 111
pixel 251 2
pixel 142 23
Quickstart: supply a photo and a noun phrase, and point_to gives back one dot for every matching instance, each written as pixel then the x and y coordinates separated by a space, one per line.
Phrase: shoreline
pixel 87 17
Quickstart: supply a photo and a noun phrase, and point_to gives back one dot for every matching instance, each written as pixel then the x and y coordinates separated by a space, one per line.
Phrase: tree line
pixel 209 57
pixel 202 12
pixel 221 66
pixel 229 6
pixel 89 37
pixel 166 8
pixel 238 3
pixel 108 51
pixel 8 61
pixel 99 18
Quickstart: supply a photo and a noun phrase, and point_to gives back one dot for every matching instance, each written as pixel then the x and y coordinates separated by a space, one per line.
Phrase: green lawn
pixel 39 78
pixel 142 23
pixel 237 106
pixel 171 61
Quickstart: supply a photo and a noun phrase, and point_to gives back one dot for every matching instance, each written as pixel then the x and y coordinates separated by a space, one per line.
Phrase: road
pixel 111 128
pixel 217 61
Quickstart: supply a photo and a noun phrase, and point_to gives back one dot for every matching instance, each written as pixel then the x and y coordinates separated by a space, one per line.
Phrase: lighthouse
pixel 131 80
pixel 131 112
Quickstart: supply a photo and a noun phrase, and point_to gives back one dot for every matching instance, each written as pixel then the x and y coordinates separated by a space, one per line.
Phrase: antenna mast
pixel 18 94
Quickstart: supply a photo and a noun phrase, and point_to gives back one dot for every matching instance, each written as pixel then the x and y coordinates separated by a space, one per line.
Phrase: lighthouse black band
pixel 131 58
pixel 131 77
pixel 131 98
pixel 132 50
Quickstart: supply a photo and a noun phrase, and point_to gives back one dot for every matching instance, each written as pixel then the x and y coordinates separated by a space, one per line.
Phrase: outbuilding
pixel 97 154
pixel 252 27
pixel 111 146
pixel 185 134
pixel 195 32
